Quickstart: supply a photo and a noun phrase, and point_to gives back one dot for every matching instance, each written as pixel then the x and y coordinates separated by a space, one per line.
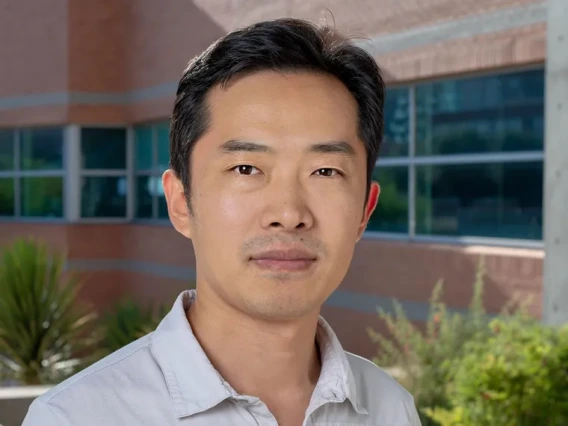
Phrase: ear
pixel 177 203
pixel 372 201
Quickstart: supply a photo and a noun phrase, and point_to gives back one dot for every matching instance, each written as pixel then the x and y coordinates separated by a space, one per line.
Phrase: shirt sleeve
pixel 414 417
pixel 42 414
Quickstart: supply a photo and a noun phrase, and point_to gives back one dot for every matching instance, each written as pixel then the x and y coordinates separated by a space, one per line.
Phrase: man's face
pixel 278 192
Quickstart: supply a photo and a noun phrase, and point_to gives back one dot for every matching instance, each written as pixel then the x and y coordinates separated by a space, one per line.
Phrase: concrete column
pixel 555 306
pixel 72 156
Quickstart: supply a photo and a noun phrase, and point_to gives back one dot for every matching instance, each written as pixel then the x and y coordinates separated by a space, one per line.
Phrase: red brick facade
pixel 404 271
pixel 83 49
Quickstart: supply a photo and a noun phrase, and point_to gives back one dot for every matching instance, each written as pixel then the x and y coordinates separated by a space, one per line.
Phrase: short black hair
pixel 282 45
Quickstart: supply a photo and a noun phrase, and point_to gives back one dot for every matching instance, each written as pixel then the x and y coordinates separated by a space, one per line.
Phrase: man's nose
pixel 286 207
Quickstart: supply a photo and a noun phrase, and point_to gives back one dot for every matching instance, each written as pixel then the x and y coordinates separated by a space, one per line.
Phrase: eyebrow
pixel 235 145
pixel 333 147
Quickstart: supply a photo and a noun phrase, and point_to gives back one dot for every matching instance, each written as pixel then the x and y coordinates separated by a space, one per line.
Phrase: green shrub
pixel 44 334
pixel 127 322
pixel 517 377
pixel 427 360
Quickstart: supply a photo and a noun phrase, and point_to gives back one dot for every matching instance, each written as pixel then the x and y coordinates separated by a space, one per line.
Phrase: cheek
pixel 225 211
pixel 340 217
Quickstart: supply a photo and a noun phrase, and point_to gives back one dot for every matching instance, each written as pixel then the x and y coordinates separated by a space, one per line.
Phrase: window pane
pixel 7 197
pixel 499 113
pixel 163 208
pixel 395 142
pixel 162 204
pixel 144 197
pixel 485 200
pixel 103 148
pixel 6 149
pixel 103 197
pixel 42 196
pixel 391 214
pixel 143 147
pixel 41 149
pixel 163 132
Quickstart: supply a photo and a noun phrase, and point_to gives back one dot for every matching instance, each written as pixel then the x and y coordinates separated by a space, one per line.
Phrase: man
pixel 275 132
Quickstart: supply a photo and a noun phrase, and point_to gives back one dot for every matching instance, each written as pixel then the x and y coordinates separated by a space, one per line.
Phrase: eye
pixel 327 172
pixel 245 169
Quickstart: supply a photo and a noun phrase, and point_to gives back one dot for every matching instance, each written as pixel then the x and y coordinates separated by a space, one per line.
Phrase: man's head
pixel 274 135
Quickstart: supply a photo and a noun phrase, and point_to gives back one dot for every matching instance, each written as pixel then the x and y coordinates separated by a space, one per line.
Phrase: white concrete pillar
pixel 555 303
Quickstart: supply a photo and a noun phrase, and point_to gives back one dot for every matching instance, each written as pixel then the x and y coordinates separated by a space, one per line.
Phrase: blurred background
pixel 86 91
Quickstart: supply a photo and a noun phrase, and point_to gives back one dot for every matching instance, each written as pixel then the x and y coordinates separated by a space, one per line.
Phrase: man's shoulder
pixel 105 391
pixel 114 370
pixel 377 386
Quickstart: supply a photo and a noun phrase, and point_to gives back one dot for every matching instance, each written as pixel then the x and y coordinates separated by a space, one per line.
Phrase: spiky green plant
pixel 44 333
pixel 127 322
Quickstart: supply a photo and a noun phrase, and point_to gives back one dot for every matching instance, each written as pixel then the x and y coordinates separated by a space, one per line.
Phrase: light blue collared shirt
pixel 165 378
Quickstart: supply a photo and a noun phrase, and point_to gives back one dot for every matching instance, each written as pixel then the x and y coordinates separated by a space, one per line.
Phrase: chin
pixel 283 304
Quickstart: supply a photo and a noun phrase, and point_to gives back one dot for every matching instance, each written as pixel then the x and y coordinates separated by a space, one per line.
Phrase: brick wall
pixel 127 57
pixel 33 51
pixel 404 271
pixel 119 62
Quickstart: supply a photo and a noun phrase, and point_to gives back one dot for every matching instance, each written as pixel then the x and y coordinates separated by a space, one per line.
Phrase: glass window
pixel 41 148
pixel 144 148
pixel 163 208
pixel 7 206
pixel 391 214
pixel 103 148
pixel 395 143
pixel 42 196
pixel 163 136
pixel 143 197
pixel 498 113
pixel 502 200
pixel 7 149
pixel 103 196
pixel 162 204
pixel 153 158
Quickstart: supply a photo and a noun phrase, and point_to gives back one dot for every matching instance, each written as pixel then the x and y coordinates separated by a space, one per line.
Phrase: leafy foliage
pixel 127 322
pixel 428 359
pixel 43 332
pixel 517 377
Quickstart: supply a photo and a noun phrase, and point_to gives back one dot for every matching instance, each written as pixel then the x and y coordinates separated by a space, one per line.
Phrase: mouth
pixel 286 260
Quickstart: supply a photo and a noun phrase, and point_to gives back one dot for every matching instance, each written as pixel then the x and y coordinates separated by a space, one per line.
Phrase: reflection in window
pixel 42 196
pixel 41 148
pixel 395 143
pixel 391 214
pixel 144 192
pixel 485 200
pixel 162 207
pixel 163 140
pixel 143 147
pixel 103 148
pixel 152 159
pixel 7 138
pixel 7 202
pixel 498 113
pixel 103 196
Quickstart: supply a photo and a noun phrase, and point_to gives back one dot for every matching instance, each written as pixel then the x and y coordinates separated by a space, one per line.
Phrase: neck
pixel 267 359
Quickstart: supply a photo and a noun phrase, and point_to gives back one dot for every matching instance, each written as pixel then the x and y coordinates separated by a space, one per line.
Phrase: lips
pixel 283 260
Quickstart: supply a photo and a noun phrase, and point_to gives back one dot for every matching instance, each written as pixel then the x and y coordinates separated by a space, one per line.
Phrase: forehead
pixel 298 106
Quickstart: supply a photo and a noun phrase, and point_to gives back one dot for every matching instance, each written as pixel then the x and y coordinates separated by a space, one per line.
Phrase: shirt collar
pixel 195 385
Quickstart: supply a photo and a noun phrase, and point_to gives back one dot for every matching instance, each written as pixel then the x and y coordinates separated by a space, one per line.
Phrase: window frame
pixel 412 161
pixel 17 174
pixel 79 172
pixel 153 171
pixel 72 172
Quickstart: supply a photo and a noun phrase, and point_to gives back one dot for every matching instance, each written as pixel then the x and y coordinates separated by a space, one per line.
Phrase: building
pixel 86 89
